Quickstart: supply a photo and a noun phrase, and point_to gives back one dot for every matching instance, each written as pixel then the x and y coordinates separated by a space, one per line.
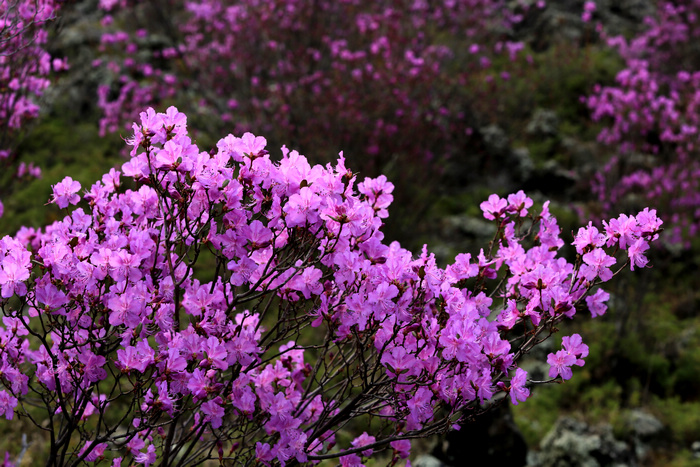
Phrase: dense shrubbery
pixel 189 292
pixel 24 70
pixel 652 110
pixel 362 74
pixel 108 329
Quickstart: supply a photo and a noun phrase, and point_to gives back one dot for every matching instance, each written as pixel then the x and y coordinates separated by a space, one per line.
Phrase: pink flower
pixel 649 223
pixel 588 237
pixel 518 391
pixel 146 458
pixel 494 207
pixel 519 203
pixel 574 346
pixel 12 277
pixel 251 145
pixel 402 448
pixel 64 193
pixel 588 9
pixel 599 262
pixel 560 364
pixel 596 302
pixel 624 229
pixel 95 452
pixel 636 253
pixel 302 207
pixel 7 404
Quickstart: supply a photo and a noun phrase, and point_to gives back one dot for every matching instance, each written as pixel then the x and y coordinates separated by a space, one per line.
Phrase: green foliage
pixel 681 458
pixel 539 414
pixel 61 148
pixel 683 418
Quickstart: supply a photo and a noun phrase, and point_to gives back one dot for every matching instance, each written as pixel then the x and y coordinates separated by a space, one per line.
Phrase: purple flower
pixel 402 448
pixel 560 364
pixel 7 404
pixel 146 458
pixel 114 285
pixel 92 370
pixel 494 207
pixel 574 346
pixel 308 283
pixel 398 362
pixel 64 193
pixel 421 408
pixel 128 359
pixel 519 203
pixel 518 391
pixel 213 411
pixel 216 353
pixel 351 460
pixel 636 253
pixel 12 277
pixel 596 302
pixel 599 262
pixel 95 452
pixel 588 237
pixel 363 440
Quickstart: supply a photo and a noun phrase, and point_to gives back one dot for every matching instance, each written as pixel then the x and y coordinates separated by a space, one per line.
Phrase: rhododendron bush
pixel 222 305
pixel 25 67
pixel 652 111
pixel 363 73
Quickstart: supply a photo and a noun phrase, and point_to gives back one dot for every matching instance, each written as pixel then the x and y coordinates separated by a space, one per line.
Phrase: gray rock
pixel 495 140
pixel 544 122
pixel 645 431
pixel 561 21
pixel 522 163
pixel 427 460
pixel 574 443
pixel 695 447
pixel 643 425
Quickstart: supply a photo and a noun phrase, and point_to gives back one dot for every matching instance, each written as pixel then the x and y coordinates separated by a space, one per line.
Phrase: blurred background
pixel 588 104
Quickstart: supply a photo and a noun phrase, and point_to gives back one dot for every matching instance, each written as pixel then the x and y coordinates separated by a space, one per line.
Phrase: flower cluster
pixel 25 67
pixel 652 109
pixel 200 305
pixel 251 58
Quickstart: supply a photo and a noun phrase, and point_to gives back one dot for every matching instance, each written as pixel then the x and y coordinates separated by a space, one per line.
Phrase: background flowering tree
pixel 25 68
pixel 165 317
pixel 649 363
pixel 364 74
pixel 386 66
pixel 651 113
